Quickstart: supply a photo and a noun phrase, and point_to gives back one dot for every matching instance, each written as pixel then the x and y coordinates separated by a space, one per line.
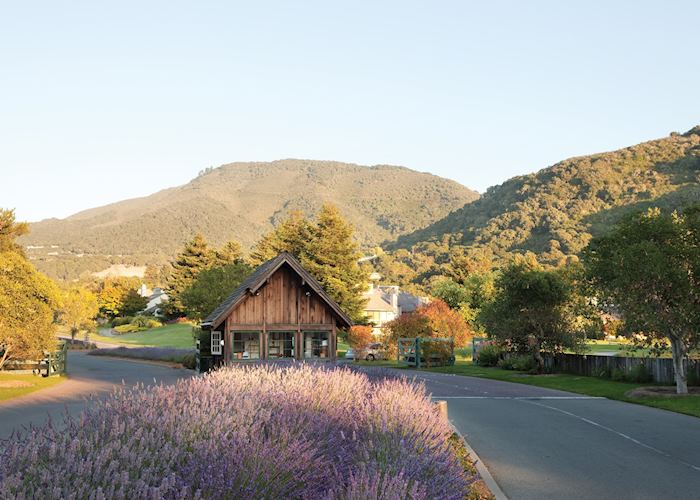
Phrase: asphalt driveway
pixel 90 377
pixel 541 443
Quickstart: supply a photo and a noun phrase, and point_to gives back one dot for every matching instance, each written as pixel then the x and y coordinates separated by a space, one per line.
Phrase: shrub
pixel 129 328
pixel 640 374
pixel 146 322
pixel 618 375
pixel 189 361
pixel 524 363
pixel 210 437
pixel 488 354
pixel 122 320
pixel 137 324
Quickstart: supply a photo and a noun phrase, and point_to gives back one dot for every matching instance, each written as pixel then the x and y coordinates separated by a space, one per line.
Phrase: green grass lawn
pixel 37 382
pixel 177 335
pixel 341 349
pixel 591 386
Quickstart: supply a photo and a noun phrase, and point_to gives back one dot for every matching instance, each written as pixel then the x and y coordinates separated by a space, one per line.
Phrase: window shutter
pixel 216 343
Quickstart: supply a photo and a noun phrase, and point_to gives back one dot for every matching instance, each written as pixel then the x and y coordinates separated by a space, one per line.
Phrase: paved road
pixel 90 376
pixel 541 443
pixel 538 443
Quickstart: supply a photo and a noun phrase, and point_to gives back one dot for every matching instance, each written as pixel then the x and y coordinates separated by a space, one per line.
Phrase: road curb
pixel 481 467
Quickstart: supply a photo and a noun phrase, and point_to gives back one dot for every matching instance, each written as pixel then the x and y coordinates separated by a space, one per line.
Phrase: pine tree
pixel 194 258
pixel 292 236
pixel 331 256
pixel 230 253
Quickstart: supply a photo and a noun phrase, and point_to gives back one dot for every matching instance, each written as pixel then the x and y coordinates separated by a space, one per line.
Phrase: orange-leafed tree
pixel 360 336
pixel 446 323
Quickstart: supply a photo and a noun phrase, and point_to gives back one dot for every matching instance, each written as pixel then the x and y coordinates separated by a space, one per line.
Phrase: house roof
pixel 377 301
pixel 259 277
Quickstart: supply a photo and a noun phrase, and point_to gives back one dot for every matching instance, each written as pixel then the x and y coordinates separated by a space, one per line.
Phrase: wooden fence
pixel 54 362
pixel 660 369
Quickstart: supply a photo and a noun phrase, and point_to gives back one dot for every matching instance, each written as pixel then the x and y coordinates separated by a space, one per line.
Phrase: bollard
pixel 441 407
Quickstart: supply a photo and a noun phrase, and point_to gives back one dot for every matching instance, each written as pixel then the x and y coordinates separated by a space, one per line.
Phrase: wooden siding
pixel 282 301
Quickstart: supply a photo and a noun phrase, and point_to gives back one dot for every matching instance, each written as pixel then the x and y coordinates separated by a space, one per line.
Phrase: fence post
pixel 417 352
pixel 441 407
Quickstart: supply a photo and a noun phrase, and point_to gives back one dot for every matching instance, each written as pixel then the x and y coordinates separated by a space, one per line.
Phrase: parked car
pixel 373 351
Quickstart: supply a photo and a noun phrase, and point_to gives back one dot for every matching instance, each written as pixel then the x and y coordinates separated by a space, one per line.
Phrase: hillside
pixel 242 201
pixel 556 211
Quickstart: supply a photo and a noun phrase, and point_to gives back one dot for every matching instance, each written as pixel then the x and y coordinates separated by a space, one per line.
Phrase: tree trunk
pixel 678 352
pixel 5 355
pixel 535 343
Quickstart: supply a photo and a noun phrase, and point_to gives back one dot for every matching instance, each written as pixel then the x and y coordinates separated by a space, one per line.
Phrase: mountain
pixel 242 201
pixel 556 211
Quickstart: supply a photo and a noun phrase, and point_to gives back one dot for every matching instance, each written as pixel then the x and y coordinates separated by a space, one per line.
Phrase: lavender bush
pixel 257 431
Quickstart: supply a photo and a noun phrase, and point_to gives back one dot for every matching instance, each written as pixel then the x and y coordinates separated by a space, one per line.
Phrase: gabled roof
pixel 377 301
pixel 259 277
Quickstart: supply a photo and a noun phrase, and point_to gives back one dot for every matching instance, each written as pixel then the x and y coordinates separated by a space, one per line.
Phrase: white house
pixel 155 298
pixel 388 302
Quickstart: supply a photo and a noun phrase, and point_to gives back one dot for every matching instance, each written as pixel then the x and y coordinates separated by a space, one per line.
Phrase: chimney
pixel 395 297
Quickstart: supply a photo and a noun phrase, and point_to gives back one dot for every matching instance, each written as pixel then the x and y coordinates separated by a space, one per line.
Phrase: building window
pixel 246 345
pixel 316 345
pixel 216 343
pixel 280 345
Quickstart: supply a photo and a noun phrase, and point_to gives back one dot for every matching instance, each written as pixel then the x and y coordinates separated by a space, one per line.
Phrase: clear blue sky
pixel 101 101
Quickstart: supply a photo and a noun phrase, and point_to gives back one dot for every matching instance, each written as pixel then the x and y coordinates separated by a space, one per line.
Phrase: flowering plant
pixel 260 431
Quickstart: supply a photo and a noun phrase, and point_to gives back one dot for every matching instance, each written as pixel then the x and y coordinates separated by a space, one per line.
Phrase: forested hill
pixel 242 201
pixel 554 212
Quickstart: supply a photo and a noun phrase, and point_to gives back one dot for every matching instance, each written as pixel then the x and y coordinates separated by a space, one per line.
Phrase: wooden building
pixel 279 311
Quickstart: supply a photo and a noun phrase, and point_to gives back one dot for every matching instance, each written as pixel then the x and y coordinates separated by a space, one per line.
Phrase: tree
pixel 360 336
pixel 113 292
pixel 79 309
pixel 405 326
pixel 648 268
pixel 536 310
pixel 446 323
pixel 230 253
pixel 292 235
pixel 132 303
pixel 195 257
pixel 211 287
pixel 331 256
pixel 10 231
pixel 326 248
pixel 28 300
pixel 452 293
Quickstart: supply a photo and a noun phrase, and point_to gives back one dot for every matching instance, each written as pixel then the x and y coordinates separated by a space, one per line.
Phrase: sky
pixel 102 101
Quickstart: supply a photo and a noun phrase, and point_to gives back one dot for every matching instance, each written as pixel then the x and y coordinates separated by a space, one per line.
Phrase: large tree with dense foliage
pixel 211 287
pixel 407 326
pixel 115 295
pixel 10 230
pixel 446 323
pixel 292 235
pixel 332 258
pixel 648 268
pixel 79 309
pixel 537 310
pixel 326 248
pixel 28 300
pixel 195 257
